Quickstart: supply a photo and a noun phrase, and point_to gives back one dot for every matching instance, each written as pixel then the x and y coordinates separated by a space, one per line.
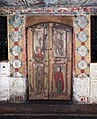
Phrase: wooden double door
pixel 49 46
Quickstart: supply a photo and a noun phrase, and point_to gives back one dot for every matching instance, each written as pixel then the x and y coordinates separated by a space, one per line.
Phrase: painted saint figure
pixel 39 76
pixel 59 81
pixel 39 49
pixel 59 44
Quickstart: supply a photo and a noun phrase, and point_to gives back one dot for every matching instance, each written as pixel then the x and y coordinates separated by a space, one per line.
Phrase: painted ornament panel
pixel 17 46
pixel 81 84
pixel 16 21
pixel 82 22
pixel 82 50
pixel 82 45
pixel 16 50
pixel 82 36
pixel 16 35
pixel 82 64
pixel 17 63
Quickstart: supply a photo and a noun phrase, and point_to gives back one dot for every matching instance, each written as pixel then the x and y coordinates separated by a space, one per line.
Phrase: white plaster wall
pixel 11 89
pixel 5 88
pixel 81 90
pixel 5 82
pixel 18 90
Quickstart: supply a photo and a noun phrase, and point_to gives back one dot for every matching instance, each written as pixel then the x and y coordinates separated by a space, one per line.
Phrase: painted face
pixel 58 69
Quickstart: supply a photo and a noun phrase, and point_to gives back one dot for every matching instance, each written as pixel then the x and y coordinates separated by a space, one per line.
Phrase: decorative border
pixel 17 48
pixel 81 47
pixel 51 10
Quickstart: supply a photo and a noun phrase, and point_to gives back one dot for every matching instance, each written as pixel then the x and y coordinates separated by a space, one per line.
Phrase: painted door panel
pixel 38 57
pixel 59 59
pixel 49 61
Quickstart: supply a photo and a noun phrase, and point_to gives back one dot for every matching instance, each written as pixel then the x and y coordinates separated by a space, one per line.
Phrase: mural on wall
pixel 81 81
pixel 17 58
pixel 42 3
pixel 48 6
pixel 52 10
pixel 82 46
pixel 17 49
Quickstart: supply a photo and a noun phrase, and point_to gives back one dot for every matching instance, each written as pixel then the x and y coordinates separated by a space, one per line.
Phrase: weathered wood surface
pixel 49 49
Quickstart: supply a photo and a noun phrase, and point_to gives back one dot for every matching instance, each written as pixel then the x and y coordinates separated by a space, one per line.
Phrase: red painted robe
pixel 59 77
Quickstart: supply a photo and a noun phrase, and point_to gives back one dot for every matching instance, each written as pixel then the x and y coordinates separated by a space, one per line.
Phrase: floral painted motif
pixel 82 64
pixel 16 35
pixel 16 21
pixel 16 50
pixel 82 50
pixel 82 36
pixel 82 69
pixel 17 63
pixel 82 21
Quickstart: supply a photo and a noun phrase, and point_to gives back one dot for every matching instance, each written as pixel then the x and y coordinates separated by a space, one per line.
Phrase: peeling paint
pixel 5 88
pixel 18 90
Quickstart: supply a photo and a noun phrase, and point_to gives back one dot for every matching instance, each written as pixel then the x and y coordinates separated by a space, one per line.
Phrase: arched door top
pixel 32 20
